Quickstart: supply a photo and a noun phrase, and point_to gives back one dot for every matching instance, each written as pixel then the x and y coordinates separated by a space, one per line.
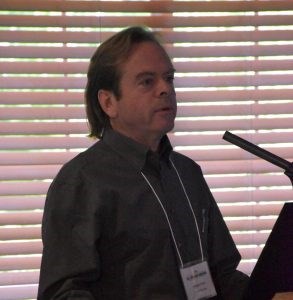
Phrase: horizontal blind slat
pixel 42 83
pixel 17 292
pixel 216 139
pixel 230 154
pixel 230 81
pixel 20 263
pixel 43 128
pixel 10 278
pixel 190 81
pixel 19 233
pixel 30 158
pixel 232 95
pixel 141 6
pixel 253 210
pixel 32 67
pixel 21 218
pixel 200 66
pixel 251 180
pixel 28 172
pixel 22 188
pixel 54 113
pixel 22 202
pixel 252 238
pixel 229 51
pixel 168 36
pixel 234 110
pixel 10 248
pixel 257 195
pixel 234 66
pixel 181 125
pixel 163 20
pixel 191 109
pixel 65 52
pixel 250 253
pixel 238 167
pixel 35 143
pixel 44 97
pixel 223 125
pixel 251 224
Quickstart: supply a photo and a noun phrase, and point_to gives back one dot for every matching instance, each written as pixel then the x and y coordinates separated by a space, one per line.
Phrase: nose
pixel 165 87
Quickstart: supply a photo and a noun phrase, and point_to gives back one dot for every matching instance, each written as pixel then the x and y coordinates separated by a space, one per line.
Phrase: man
pixel 129 218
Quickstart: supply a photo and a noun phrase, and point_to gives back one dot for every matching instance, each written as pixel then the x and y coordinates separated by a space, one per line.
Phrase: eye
pixel 170 78
pixel 146 82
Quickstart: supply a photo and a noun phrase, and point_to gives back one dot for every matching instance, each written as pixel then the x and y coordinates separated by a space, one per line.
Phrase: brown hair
pixel 104 72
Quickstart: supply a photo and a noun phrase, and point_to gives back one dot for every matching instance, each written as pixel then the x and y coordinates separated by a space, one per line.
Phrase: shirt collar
pixel 135 152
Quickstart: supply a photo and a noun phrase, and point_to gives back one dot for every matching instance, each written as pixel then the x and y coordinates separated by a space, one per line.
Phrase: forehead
pixel 149 56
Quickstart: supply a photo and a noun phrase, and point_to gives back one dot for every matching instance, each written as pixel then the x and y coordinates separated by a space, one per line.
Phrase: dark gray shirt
pixel 106 235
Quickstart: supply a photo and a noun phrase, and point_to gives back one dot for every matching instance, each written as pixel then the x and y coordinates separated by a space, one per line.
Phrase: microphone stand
pixel 256 150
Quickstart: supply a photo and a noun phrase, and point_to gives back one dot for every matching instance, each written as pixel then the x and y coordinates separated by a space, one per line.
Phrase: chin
pixel 167 128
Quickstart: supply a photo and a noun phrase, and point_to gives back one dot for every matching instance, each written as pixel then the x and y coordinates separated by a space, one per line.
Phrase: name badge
pixel 198 281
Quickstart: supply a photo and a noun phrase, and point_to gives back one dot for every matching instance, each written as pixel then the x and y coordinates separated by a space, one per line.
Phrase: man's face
pixel 147 107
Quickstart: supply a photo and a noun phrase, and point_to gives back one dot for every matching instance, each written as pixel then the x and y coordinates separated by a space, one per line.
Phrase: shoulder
pixel 183 161
pixel 78 179
pixel 83 164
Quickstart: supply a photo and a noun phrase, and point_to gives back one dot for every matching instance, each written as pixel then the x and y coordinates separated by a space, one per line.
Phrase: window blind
pixel 234 67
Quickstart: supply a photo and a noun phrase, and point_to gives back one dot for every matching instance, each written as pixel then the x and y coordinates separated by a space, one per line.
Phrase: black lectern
pixel 273 272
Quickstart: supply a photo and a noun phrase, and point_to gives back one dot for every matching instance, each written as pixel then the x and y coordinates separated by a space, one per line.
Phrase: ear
pixel 108 103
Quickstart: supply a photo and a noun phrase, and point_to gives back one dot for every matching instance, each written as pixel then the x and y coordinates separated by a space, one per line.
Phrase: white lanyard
pixel 166 215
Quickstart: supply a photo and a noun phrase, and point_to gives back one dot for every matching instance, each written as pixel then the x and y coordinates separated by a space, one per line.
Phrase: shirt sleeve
pixel 70 265
pixel 224 257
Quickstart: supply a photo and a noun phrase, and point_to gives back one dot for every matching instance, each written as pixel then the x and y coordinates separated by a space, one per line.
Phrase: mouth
pixel 165 109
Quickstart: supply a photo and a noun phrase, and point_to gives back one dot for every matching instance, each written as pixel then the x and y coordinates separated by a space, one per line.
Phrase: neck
pixel 153 144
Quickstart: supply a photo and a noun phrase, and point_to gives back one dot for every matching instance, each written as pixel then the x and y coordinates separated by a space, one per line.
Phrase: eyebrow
pixel 149 73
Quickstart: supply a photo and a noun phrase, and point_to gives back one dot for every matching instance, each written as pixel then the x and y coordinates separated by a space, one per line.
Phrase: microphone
pixel 258 151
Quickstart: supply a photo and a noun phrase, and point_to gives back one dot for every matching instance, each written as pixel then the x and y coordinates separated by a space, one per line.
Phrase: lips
pixel 164 109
